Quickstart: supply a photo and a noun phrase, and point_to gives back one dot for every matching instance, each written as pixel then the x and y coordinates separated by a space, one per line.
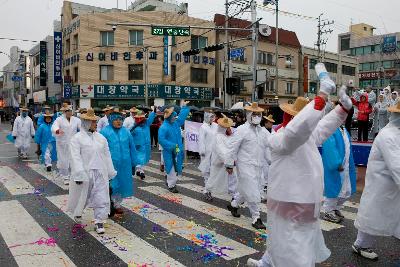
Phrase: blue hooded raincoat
pixel 44 138
pixel 141 138
pixel 333 153
pixel 123 155
pixel 169 135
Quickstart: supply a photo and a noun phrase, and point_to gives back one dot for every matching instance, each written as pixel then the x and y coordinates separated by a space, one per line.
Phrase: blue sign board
pixel 166 56
pixel 16 78
pixel 43 63
pixel 57 57
pixel 67 90
pixel 389 44
pixel 236 53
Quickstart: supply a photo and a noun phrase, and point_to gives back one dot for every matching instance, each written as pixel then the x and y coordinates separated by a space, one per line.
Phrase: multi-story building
pixel 106 64
pixel 341 68
pixel 159 5
pixel 378 55
pixel 288 70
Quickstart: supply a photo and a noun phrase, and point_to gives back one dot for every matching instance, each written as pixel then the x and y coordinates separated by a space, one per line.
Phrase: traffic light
pixel 233 86
pixel 213 48
pixel 191 52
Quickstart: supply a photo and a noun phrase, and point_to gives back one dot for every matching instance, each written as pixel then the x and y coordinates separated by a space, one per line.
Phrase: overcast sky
pixel 33 19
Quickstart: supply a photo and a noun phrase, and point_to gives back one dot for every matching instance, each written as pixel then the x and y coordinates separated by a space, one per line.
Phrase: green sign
pixel 155 91
pixel 170 31
pixel 75 91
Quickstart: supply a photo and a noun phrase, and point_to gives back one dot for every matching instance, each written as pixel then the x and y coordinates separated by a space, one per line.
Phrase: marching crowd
pixel 253 161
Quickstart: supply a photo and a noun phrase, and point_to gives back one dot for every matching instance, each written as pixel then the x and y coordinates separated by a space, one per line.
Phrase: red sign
pixel 305 78
pixel 375 75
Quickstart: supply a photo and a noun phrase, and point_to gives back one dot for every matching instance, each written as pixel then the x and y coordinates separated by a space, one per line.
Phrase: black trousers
pixel 154 136
pixel 363 130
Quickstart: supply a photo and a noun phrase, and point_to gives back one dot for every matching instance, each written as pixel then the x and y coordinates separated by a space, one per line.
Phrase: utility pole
pixel 146 75
pixel 276 48
pixel 321 25
pixel 253 6
pixel 227 57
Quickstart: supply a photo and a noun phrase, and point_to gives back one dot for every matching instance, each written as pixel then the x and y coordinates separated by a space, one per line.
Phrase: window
pixel 313 62
pixel 331 67
pixel 313 87
pixel 388 64
pixel 135 37
pixel 265 58
pixel 199 41
pixel 135 72
pixel 173 40
pixel 76 74
pixel 367 49
pixel 270 86
pixel 106 72
pixel 76 42
pixel 67 46
pixel 347 70
pixel 365 28
pixel 270 59
pixel 107 38
pixel 173 73
pixel 198 75
pixel 289 88
pixel 377 48
pixel 359 51
pixel 345 44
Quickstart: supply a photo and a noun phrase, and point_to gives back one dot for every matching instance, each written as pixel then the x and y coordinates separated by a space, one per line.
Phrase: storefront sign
pixel 67 93
pixel 155 91
pixel 237 53
pixel 167 60
pixel 86 91
pixel 57 57
pixel 170 31
pixel 389 44
pixel 71 28
pixel 371 75
pixel 75 91
pixel 43 63
pixel 179 57
pixel 115 56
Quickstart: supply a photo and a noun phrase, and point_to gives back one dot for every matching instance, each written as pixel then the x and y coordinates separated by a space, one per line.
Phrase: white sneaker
pixel 365 252
pixel 99 227
pixel 252 263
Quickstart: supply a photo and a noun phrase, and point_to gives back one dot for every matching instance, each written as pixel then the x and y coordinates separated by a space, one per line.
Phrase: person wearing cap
pixel 129 121
pixel 371 96
pixel 92 168
pixel 221 182
pixel 63 129
pixel 46 142
pixel 104 121
pixel 141 137
pixel 247 147
pixel 124 158
pixel 269 122
pixel 22 132
pixel 46 110
pixel 205 142
pixel 170 139
pixel 295 185
pixel 379 211
pixel 80 111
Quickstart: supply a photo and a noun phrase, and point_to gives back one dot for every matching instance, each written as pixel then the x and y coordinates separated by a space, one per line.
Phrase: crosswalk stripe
pixel 353 205
pixel 126 245
pixel 14 183
pixel 185 170
pixel 228 248
pixel 51 176
pixel 157 171
pixel 27 241
pixel 203 207
pixel 148 179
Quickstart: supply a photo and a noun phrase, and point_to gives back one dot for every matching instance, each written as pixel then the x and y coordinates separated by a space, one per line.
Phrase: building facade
pixel 341 68
pixel 105 64
pixel 378 55
pixel 241 66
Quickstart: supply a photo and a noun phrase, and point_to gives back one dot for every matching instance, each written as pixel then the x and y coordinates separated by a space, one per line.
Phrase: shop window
pixel 106 38
pixel 198 75
pixel 135 37
pixel 106 72
pixel 136 72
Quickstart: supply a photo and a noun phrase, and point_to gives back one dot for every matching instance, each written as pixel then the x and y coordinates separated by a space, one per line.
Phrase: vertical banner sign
pixel 67 90
pixel 389 44
pixel 166 55
pixel 57 57
pixel 305 71
pixel 43 64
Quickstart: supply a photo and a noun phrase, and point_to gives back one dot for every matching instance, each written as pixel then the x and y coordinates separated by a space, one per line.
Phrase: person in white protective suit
pixel 221 182
pixel 268 123
pixel 64 127
pixel 129 121
pixel 23 132
pixel 380 115
pixel 295 188
pixel 103 122
pixel 92 168
pixel 206 141
pixel 379 212
pixel 248 145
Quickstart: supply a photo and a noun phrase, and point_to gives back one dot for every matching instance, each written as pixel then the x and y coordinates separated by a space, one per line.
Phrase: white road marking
pixel 51 176
pixel 14 183
pixel 157 171
pixel 126 245
pixel 185 170
pixel 28 242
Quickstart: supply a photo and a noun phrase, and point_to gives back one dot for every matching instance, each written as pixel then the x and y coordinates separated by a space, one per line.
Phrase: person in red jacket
pixel 364 109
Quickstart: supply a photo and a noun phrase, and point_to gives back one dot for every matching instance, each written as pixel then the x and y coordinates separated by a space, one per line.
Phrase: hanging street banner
pixel 57 57
pixel 389 44
pixel 67 90
pixel 167 61
pixel 43 63
pixel 155 91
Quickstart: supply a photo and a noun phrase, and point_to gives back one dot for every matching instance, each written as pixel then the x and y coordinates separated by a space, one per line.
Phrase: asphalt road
pixel 157 228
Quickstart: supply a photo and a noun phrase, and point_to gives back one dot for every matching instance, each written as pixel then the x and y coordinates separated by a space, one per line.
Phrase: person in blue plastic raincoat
pixel 170 138
pixel 22 132
pixel 40 121
pixel 46 141
pixel 141 137
pixel 339 174
pixel 124 157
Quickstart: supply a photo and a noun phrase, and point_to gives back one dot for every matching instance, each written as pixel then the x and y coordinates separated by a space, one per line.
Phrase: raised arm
pixel 328 125
pixel 182 116
pixel 150 119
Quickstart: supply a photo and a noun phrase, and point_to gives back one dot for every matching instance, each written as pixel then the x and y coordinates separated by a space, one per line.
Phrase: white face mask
pixel 256 120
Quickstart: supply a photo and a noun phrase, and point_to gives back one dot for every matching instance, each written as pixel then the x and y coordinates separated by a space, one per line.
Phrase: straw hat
pixel 108 108
pixel 116 110
pixel 48 115
pixel 208 110
pixel 83 110
pixel 295 108
pixel 269 118
pixel 24 108
pixel 225 122
pixel 139 114
pixel 395 109
pixel 254 107
pixel 89 116
pixel 46 107
pixel 168 112
pixel 65 107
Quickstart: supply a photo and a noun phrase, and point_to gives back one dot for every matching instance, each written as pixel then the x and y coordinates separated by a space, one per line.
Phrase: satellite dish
pixel 265 30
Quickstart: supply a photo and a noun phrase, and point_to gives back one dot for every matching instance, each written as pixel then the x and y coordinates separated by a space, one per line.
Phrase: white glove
pixel 344 98
pixel 327 86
